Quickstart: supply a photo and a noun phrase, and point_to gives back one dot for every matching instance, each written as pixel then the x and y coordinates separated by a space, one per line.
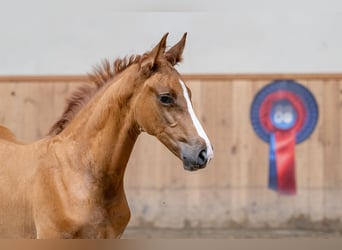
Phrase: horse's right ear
pixel 174 54
pixel 151 61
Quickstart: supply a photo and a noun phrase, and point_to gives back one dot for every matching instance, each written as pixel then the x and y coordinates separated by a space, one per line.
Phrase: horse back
pixel 15 213
pixel 8 135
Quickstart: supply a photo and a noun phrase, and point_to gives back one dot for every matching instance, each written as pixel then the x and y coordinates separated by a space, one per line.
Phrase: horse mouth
pixel 193 167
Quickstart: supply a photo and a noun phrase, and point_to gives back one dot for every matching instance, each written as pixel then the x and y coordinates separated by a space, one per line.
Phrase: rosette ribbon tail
pixel 282 162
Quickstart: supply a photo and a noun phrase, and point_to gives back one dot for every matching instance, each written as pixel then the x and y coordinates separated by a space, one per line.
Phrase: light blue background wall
pixel 245 36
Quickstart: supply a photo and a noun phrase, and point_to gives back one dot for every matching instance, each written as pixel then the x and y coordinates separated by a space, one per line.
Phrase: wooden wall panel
pixel 29 109
pixel 232 190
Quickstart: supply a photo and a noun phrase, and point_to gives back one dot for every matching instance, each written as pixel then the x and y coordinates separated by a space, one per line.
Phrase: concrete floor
pixel 148 233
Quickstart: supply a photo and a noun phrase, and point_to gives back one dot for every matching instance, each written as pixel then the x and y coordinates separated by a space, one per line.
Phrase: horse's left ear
pixel 158 51
pixel 174 54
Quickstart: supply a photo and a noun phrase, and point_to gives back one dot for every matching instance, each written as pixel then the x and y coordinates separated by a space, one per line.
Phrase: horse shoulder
pixel 64 189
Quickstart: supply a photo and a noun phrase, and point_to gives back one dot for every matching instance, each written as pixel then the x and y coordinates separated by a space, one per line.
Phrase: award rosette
pixel 283 113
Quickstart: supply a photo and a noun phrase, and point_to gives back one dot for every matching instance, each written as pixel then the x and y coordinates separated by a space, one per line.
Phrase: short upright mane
pixel 101 75
pixel 105 71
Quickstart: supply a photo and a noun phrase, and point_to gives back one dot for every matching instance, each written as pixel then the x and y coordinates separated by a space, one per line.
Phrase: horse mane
pixel 101 75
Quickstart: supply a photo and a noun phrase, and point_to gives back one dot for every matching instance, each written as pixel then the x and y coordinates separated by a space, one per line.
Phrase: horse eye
pixel 166 99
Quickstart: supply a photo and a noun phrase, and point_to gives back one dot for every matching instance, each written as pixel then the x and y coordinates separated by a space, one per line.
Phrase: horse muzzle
pixel 194 157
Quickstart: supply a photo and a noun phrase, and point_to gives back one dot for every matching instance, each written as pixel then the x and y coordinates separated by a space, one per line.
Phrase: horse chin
pixel 193 168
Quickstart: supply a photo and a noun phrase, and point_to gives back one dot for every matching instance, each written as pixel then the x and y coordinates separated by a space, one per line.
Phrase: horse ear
pixel 152 57
pixel 158 50
pixel 174 54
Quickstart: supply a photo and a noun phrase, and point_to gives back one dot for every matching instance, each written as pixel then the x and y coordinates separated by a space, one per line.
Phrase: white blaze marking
pixel 196 122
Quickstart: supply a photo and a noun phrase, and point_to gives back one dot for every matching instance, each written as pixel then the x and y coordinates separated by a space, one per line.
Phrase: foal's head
pixel 160 102
pixel 163 107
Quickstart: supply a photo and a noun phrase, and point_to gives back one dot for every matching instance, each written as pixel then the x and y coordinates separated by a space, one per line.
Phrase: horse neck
pixel 106 128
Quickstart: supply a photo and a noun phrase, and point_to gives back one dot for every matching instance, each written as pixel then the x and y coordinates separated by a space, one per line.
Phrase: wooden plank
pixel 330 134
pixel 216 100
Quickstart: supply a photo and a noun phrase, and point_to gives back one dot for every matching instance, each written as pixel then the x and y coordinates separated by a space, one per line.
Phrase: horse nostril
pixel 202 157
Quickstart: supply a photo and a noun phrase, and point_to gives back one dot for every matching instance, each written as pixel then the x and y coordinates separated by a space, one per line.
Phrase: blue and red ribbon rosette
pixel 283 113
